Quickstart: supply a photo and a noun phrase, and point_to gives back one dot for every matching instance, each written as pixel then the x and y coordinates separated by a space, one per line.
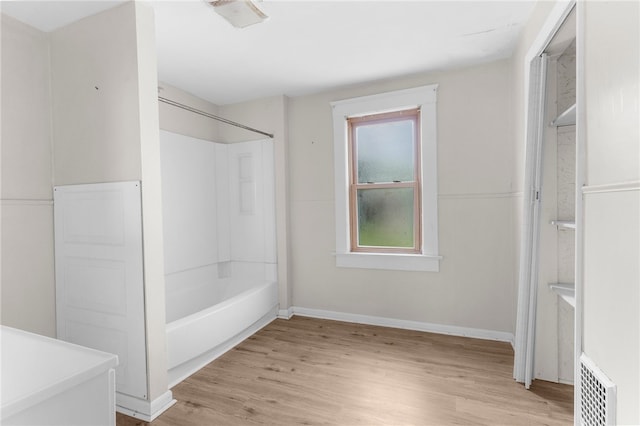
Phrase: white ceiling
pixel 308 46
pixel 50 15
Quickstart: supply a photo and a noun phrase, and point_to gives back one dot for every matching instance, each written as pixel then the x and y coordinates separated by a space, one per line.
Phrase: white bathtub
pixel 236 309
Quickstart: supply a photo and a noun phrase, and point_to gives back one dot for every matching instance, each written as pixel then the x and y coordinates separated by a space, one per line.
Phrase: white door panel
pixel 99 275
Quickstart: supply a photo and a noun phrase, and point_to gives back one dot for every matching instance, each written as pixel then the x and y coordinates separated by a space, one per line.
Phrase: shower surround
pixel 219 245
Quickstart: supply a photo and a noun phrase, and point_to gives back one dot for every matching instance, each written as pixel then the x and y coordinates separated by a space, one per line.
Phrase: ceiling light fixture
pixel 239 13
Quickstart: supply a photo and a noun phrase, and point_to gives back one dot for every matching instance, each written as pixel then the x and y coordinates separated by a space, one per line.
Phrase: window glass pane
pixel 385 151
pixel 385 217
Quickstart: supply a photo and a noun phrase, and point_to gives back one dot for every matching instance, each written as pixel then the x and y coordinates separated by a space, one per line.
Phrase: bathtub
pixel 204 323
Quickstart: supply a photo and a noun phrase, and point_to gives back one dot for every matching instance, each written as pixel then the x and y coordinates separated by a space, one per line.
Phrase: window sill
pixel 390 261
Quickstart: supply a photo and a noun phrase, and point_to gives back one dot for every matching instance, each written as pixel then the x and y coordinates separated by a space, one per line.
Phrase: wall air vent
pixel 597 395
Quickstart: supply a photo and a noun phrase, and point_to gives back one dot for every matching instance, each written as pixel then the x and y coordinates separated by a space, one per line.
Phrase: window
pixel 384 187
pixel 386 180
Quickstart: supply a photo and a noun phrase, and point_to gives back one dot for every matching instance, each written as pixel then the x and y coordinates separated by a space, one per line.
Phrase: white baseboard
pixel 143 409
pixel 453 330
pixel 285 313
pixel 566 382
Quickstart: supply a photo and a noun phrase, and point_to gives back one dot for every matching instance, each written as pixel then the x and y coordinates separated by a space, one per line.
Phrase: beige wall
pixel 475 287
pixel 176 120
pixel 28 289
pixel 527 37
pixel 95 99
pixel 611 217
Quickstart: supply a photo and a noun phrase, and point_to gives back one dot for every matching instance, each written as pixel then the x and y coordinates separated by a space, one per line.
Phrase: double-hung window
pixel 384 187
pixel 386 180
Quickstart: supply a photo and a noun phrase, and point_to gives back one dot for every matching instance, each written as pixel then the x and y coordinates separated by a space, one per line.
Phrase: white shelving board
pixel 564 224
pixel 565 290
pixel 566 118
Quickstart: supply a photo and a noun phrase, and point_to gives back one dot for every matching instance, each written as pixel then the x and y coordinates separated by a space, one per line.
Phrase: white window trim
pixel 425 98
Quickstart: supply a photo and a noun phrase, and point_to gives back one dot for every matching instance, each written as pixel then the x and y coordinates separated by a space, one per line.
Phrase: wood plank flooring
pixel 317 372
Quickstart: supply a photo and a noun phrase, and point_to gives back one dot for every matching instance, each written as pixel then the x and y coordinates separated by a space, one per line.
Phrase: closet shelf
pixel 566 291
pixel 567 118
pixel 564 224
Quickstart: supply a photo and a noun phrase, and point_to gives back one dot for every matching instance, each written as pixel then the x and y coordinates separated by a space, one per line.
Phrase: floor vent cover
pixel 597 395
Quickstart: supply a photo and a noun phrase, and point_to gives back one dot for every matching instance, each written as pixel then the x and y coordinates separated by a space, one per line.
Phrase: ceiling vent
pixel 239 13
pixel 597 395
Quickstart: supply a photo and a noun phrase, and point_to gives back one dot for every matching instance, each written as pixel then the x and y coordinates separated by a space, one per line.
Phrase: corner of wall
pixel 271 115
pixel 177 120
pixel 154 281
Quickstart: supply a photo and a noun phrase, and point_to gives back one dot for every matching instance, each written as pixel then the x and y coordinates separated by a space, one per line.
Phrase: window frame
pixel 425 99
pixel 353 123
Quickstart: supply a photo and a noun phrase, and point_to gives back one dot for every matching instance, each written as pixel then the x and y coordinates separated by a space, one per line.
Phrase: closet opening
pixel 548 319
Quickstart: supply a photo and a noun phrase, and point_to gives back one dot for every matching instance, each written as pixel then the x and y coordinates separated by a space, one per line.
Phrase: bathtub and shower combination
pixel 219 233
pixel 200 336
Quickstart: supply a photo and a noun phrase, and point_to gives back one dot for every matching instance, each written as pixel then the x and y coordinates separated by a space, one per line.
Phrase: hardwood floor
pixel 309 371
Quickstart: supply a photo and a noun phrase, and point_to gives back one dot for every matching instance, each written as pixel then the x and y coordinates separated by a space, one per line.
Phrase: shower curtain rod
pixel 214 117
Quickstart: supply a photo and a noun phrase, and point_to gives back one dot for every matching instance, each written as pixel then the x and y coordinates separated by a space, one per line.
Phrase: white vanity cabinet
pixel 51 382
